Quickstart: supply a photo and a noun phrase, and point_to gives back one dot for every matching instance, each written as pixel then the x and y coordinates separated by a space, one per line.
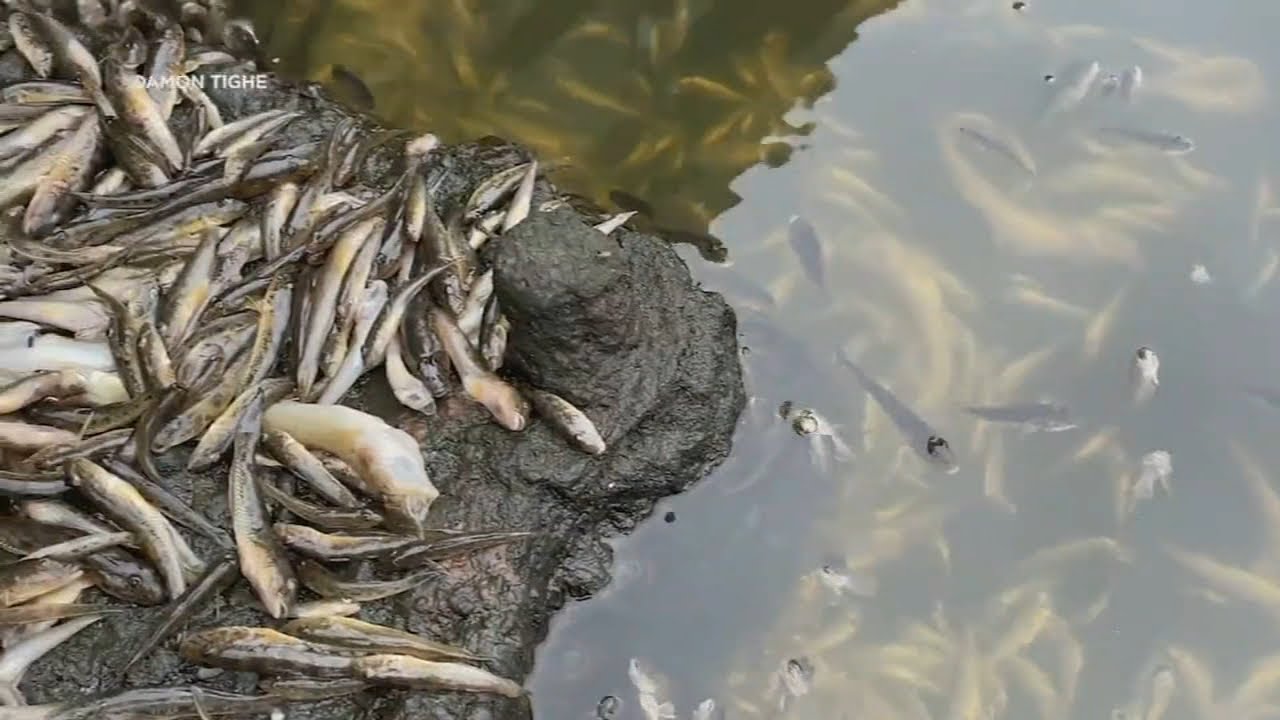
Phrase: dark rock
pixel 614 324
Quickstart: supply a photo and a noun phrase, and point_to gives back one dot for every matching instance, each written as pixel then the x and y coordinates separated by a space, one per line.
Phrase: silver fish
pixel 1032 417
pixel 1130 81
pixel 847 582
pixel 808 248
pixel 707 710
pixel 1155 470
pixel 919 434
pixel 1000 147
pixel 1168 143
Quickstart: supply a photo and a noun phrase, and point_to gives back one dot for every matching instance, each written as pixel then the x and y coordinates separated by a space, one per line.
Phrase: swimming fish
pixel 1000 147
pixel 1144 374
pixel 1130 81
pixel 922 438
pixel 808 248
pixel 825 442
pixel 1073 92
pixel 1165 142
pixel 1032 417
pixel 1155 470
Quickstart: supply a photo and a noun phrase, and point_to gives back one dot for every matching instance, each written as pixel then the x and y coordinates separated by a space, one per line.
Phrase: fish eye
pixel 1143 352
pixel 134 581
pixel 935 443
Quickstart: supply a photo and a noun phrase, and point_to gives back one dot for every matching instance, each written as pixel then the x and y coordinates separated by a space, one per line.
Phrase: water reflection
pixel 667 101
pixel 976 250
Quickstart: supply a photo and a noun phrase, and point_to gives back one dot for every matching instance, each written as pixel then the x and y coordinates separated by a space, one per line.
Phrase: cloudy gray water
pixel 984 241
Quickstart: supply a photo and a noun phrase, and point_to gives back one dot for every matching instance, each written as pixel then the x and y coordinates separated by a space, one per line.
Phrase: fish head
pixel 939 452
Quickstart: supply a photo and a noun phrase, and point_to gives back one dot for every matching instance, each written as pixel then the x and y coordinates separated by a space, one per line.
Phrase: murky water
pixel 1019 587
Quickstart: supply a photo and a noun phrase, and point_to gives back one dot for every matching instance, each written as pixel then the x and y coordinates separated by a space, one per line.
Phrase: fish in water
pixel 1109 84
pixel 808 248
pixel 1000 147
pixel 922 438
pixel 793 680
pixel 707 710
pixel 349 88
pixel 1154 471
pixel 825 443
pixel 1200 275
pixel 1144 374
pixel 650 691
pixel 845 582
pixel 1168 143
pixel 608 707
pixel 1130 81
pixel 1073 92
pixel 1031 417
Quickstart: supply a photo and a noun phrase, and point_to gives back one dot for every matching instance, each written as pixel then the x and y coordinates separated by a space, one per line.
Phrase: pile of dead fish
pixel 206 287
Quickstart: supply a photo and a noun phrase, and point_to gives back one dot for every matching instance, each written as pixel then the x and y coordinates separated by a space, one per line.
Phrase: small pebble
pixel 669 517
pixel 208 673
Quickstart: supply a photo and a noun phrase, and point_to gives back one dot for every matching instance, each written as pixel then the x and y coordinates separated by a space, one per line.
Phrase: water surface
pixel 956 277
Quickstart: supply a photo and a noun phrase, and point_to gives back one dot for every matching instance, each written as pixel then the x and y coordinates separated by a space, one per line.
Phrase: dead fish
pixel 410 672
pixel 1031 417
pixel 367 637
pixel 264 651
pixel 503 401
pixel 568 420
pixel 1000 147
pixel 1168 143
pixel 129 509
pixel 324 608
pixel 324 583
pixel 263 561
pixel 33 48
pixel 522 200
pixel 386 458
pixel 27 437
pixel 1144 374
pixel 1200 275
pixel 1071 93
pixel 26 579
pixel 76 548
pixel 461 543
pixel 650 691
pixel 328 547
pixel 307 467
pixel 922 438
pixel 808 248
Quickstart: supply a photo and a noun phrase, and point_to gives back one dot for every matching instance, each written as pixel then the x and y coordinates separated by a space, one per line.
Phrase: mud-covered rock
pixel 614 324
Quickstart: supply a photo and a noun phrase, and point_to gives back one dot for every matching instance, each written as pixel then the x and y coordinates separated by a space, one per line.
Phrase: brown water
pixel 956 278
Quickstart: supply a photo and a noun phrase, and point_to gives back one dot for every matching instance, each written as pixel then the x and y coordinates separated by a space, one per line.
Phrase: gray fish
pixel 1168 143
pixel 1033 417
pixel 568 420
pixel 1130 81
pixel 31 46
pixel 1071 93
pixel 808 248
pixel 1000 147
pixel 922 438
